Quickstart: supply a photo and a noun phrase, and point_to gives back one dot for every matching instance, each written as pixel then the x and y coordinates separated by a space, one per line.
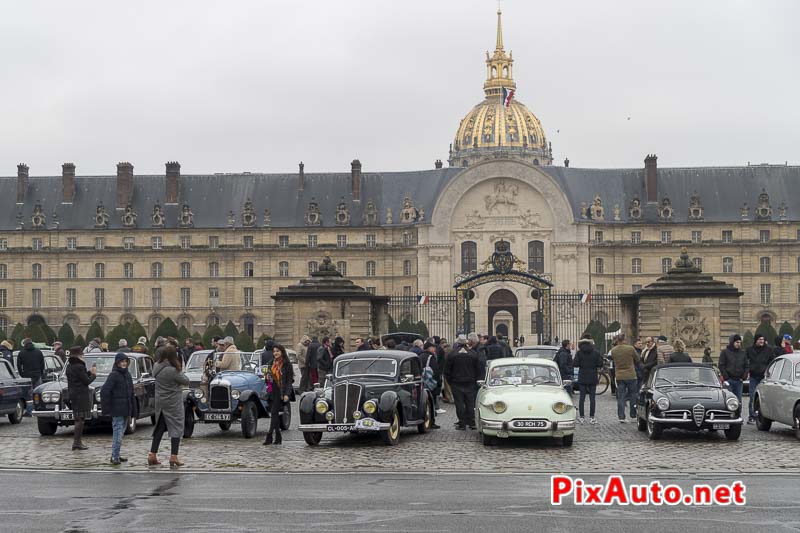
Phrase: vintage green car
pixel 778 395
pixel 524 397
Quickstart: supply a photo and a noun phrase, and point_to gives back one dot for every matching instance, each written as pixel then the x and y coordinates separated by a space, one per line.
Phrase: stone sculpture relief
pixel 186 219
pixel 691 328
pixel 157 217
pixel 129 217
pixel 313 216
pixel 248 214
pixel 503 195
pixel 38 220
pixel 101 217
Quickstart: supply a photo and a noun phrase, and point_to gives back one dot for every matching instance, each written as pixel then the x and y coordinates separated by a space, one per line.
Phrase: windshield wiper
pixel 369 365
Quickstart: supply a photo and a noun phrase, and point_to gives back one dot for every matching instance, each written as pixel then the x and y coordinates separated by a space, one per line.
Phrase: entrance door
pixel 503 314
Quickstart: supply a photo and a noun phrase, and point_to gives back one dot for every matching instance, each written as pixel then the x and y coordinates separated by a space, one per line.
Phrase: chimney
pixel 68 182
pixel 22 182
pixel 302 177
pixel 651 178
pixel 566 162
pixel 173 181
pixel 438 163
pixel 124 184
pixel 355 179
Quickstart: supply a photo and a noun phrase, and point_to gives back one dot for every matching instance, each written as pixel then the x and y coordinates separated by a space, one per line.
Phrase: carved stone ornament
pixel 322 324
pixel 529 219
pixel 370 216
pixel 421 215
pixel 267 219
pixel 101 217
pixel 389 215
pixel 635 209
pixel 617 213
pixel 38 220
pixel 157 218
pixel 695 207
pixel 764 210
pixel 54 223
pixel 129 217
pixel 231 219
pixel 502 195
pixel 248 215
pixel 502 258
pixel 665 210
pixel 597 211
pixel 409 214
pixel 691 328
pixel 584 210
pixel 744 211
pixel 187 217
pixel 313 216
pixel 342 214
pixel 475 220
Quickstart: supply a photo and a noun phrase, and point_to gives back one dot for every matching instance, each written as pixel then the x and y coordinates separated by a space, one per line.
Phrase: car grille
pixel 346 398
pixel 720 415
pixel 219 398
pixel 676 415
pixel 698 414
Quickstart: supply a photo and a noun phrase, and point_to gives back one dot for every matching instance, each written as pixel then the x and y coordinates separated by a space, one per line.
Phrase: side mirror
pixel 481 382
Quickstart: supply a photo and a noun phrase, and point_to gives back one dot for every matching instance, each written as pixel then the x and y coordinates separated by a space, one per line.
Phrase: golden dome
pixel 500 126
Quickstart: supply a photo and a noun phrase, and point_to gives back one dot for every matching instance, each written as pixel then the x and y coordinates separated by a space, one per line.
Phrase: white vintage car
pixel 524 397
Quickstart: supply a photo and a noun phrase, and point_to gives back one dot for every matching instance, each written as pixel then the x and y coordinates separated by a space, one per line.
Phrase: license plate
pixel 720 426
pixel 218 417
pixel 366 423
pixel 67 416
pixel 339 428
pixel 502 434
pixel 530 424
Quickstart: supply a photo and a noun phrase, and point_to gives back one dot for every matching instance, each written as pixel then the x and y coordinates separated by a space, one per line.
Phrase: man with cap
pixel 123 346
pixel 462 370
pixel 116 399
pixel 140 346
pixel 787 343
pixel 58 349
pixel 230 360
pixel 759 356
pixel 664 349
pixel 733 365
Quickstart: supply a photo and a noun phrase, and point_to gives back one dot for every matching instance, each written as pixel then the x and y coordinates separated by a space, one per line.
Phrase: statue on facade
pixel 101 217
pixel 370 216
pixel 157 217
pixel 597 212
pixel 267 218
pixel 38 220
pixel 129 217
pixel 248 214
pixel 635 209
pixel 342 214
pixel 763 210
pixel 409 214
pixel 186 219
pixel 313 216
pixel 389 215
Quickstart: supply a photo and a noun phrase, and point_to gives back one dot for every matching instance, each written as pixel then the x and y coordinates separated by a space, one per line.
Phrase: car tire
pixel 796 419
pixel 734 432
pixel 130 427
pixel 641 424
pixel 46 427
pixel 286 417
pixel 249 420
pixel 312 438
pixel 426 422
pixel 762 423
pixel 566 440
pixel 19 412
pixel 488 440
pixel 602 384
pixel 654 430
pixel 391 436
pixel 188 422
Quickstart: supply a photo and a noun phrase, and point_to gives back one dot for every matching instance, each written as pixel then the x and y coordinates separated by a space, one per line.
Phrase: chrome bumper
pixel 357 426
pixel 498 425
pixel 65 414
pixel 687 421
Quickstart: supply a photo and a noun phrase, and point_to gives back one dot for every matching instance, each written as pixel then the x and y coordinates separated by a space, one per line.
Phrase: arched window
pixel 764 264
pixel 156 270
pixel 536 256
pixel 248 269
pixel 4 270
pixel 312 267
pixel 636 265
pixel 494 72
pixel 36 271
pixel 186 270
pixel 213 269
pixel 727 265
pixel 505 72
pixel 341 266
pixel 407 267
pixel 469 257
pixel 283 269
pixel 371 268
pixel 99 270
pixel 599 265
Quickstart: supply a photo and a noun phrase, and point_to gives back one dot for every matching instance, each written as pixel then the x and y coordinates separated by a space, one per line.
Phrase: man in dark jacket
pixel 311 362
pixel 427 356
pixel 324 359
pixel 588 361
pixel 462 370
pixel 30 363
pixel 759 356
pixel 493 349
pixel 266 355
pixel 79 393
pixel 733 365
pixel 58 350
pixel 564 362
pixel 116 399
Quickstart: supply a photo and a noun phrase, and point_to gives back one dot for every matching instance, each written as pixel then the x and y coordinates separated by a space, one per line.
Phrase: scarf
pixel 276 371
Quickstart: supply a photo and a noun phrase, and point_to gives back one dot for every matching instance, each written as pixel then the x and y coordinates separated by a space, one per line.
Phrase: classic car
pixel 524 397
pixel 51 407
pixel 778 395
pixel 236 395
pixel 376 391
pixel 688 396
pixel 52 365
pixel 15 393
pixel 255 359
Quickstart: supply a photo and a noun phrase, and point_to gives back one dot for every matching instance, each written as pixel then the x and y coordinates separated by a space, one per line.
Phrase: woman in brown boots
pixel 170 380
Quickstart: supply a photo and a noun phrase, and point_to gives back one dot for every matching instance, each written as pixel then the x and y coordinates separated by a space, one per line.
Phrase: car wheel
pixel 488 440
pixel 566 440
pixel 734 432
pixel 286 417
pixel 426 423
pixel 130 427
pixel 249 420
pixel 641 424
pixel 796 418
pixel 46 427
pixel 602 384
pixel 654 430
pixel 391 436
pixel 762 423
pixel 188 422
pixel 312 438
pixel 19 412
pixel 224 426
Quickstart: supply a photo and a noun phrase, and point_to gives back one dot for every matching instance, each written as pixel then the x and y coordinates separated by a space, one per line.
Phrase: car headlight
pixel 235 394
pixel 499 407
pixel 97 395
pixel 662 403
pixel 561 407
pixel 198 393
pixel 357 415
pixel 51 397
pixel 370 407
pixel 329 416
pixel 321 406
pixel 732 403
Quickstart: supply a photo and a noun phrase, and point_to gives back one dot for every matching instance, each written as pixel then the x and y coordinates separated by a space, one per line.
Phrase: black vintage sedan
pixel 15 393
pixel 51 407
pixel 377 391
pixel 688 396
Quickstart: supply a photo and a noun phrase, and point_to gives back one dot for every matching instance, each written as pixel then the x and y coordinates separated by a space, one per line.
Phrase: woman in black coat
pixel 588 361
pixel 279 379
pixel 78 392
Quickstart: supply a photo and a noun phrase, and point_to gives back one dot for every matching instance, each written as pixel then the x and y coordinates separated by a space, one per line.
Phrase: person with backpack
pixel 430 367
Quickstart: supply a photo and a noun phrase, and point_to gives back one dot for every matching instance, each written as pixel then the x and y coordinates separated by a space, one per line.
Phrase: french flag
pixel 508 94
pixel 423 300
pixel 585 297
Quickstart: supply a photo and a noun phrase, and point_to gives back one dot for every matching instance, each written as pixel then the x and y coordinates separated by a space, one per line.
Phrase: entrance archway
pixel 503 314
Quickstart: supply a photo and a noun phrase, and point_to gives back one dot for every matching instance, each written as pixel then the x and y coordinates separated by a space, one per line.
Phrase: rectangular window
pixel 127 298
pixel 72 298
pixel 99 298
pixel 371 240
pixel 636 265
pixel 764 265
pixel 186 270
pixel 666 237
pixel 36 271
pixel 727 265
pixel 372 290
pixel 598 236
pixel 666 265
pixel 763 236
pixel 186 242
pixel 727 236
pixel 370 268
pixel 4 298
pixel 697 237
pixel 283 241
pixel 599 265
pixel 312 241
pixel 36 298
pixel 798 293
pixel 213 296
pixel 283 269
pixel 155 297
pixel 408 239
pixel 248 296
pixel 766 294
pixel 599 288
pixel 186 297
pixel 4 242
pixel 249 270
pixel 72 243
pixel 128 243
pixel 213 241
pixel 36 244
pixel 99 243
pixel 156 243
pixel 407 268
pixel 247 241
pixel 698 262
pixel 99 270
pixel 341 241
pixel 127 270
pixel 213 270
pixel 341 266
pixel 72 270
pixel 636 237
pixel 407 290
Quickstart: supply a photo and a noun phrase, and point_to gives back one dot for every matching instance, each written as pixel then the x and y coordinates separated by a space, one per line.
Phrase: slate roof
pixel 722 190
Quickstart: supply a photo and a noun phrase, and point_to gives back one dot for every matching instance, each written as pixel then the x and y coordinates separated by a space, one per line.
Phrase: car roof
pixel 793 357
pixel 537 347
pixel 522 360
pixel 693 365
pixel 397 355
pixel 129 355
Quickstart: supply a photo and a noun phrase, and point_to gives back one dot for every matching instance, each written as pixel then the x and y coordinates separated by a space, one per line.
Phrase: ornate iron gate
pixel 598 315
pixel 436 312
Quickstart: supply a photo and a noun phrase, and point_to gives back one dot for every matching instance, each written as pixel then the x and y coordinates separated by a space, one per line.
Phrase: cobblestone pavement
pixel 606 447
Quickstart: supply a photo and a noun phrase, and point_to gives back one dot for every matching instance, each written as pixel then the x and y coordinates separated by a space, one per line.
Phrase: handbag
pixel 428 378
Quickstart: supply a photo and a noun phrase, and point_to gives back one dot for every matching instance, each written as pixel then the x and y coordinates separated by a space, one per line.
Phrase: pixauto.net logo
pixel 565 489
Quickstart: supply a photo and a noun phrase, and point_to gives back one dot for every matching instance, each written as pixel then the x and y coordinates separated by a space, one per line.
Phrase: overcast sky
pixel 261 85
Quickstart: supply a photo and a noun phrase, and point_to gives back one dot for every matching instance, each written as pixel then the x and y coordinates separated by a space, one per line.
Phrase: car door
pixel 783 394
pixel 417 395
pixel 767 389
pixel 406 389
pixel 8 389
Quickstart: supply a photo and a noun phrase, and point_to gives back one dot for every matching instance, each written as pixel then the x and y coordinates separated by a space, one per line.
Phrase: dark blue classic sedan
pixel 15 393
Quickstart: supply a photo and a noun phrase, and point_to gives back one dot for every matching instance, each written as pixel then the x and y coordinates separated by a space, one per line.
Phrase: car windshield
pixel 366 367
pixel 540 353
pixel 105 364
pixel 197 361
pixel 524 374
pixel 686 376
